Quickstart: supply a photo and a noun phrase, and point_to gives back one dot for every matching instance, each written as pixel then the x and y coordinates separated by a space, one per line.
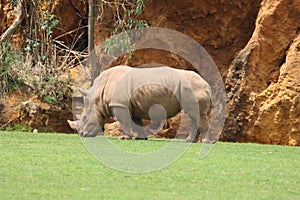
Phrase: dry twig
pixel 18 19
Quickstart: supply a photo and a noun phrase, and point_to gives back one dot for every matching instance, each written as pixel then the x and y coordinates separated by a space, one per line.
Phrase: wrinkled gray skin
pixel 128 93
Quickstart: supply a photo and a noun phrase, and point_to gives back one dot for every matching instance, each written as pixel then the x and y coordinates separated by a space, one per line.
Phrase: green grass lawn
pixel 57 166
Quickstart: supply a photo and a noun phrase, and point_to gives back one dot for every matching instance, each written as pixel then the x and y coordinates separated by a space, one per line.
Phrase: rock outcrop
pixel 45 117
pixel 263 80
pixel 32 112
pixel 275 112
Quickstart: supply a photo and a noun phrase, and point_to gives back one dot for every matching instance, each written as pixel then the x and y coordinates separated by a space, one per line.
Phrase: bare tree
pixel 91 46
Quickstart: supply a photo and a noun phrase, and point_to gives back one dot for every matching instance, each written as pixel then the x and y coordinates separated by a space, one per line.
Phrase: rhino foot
pixel 209 141
pixel 124 137
pixel 138 138
pixel 194 140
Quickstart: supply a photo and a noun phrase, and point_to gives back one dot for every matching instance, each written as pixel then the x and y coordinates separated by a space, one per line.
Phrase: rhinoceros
pixel 131 94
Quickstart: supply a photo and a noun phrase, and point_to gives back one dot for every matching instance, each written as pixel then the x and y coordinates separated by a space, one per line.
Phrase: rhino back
pixel 138 89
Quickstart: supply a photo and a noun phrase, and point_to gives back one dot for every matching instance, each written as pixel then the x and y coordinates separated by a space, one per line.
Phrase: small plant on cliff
pixel 49 22
pixel 126 18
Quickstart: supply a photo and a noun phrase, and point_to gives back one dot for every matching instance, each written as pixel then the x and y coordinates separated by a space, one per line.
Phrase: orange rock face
pixel 263 80
pixel 276 110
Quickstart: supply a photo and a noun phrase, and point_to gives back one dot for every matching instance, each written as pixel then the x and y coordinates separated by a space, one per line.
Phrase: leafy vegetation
pixel 37 60
pixel 57 166
pixel 126 19
pixel 9 57
pixel 19 128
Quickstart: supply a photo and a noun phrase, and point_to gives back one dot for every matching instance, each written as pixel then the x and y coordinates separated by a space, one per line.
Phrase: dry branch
pixel 18 19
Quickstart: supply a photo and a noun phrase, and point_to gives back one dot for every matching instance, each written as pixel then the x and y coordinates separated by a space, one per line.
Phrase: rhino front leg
pixel 138 127
pixel 193 136
pixel 123 116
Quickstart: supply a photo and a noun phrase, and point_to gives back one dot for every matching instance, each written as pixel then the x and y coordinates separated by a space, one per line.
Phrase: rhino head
pixel 87 125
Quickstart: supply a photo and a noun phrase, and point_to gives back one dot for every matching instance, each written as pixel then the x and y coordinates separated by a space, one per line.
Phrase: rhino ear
pixel 83 91
pixel 72 124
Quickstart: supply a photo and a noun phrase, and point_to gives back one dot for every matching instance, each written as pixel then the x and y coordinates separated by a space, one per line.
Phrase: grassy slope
pixel 50 166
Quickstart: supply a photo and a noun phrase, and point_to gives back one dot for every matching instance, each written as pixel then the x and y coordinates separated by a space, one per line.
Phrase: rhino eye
pixel 84 118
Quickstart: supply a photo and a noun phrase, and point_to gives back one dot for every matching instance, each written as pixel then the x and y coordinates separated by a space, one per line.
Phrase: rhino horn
pixel 72 124
pixel 82 91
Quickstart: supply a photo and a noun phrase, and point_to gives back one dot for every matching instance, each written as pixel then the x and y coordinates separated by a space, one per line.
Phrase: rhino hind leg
pixel 193 136
pixel 138 127
pixel 203 128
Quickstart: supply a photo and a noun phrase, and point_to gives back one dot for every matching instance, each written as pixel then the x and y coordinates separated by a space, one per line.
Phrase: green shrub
pixel 9 58
pixel 19 128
